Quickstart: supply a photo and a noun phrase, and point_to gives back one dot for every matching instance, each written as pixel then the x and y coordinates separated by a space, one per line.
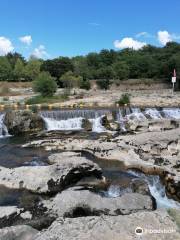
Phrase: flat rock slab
pixel 53 178
pixel 113 227
pixel 21 232
pixel 75 203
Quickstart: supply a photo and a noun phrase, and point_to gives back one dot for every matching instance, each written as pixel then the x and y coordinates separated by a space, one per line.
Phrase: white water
pixel 121 121
pixel 69 124
pixel 171 113
pixel 136 114
pixel 153 113
pixel 72 120
pixel 157 190
pixel 97 126
pixel 3 128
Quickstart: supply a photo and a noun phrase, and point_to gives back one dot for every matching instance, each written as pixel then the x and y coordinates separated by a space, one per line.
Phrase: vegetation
pixel 45 84
pixel 70 80
pixel 40 99
pixel 125 99
pixel 107 66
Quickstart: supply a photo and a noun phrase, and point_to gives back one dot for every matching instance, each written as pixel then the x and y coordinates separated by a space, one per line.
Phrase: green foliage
pixel 19 70
pixel 103 83
pixel 6 72
pixel 57 67
pixel 125 99
pixel 45 84
pixel 40 99
pixel 69 80
pixel 32 69
pixel 121 71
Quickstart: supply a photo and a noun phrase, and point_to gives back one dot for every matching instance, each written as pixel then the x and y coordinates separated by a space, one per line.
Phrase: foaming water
pixel 69 124
pixel 171 113
pixel 3 128
pixel 72 120
pixel 157 190
pixel 153 113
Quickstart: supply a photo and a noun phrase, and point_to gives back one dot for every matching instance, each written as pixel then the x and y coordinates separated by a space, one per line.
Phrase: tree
pixel 13 57
pixel 45 84
pixel 57 67
pixel 121 71
pixel 19 70
pixel 32 69
pixel 6 73
pixel 103 83
pixel 69 80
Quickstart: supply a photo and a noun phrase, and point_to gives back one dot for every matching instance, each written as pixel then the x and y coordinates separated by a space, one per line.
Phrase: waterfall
pixel 171 113
pixel 136 114
pixel 157 190
pixel 153 113
pixel 69 124
pixel 3 128
pixel 72 119
pixel 121 120
pixel 96 125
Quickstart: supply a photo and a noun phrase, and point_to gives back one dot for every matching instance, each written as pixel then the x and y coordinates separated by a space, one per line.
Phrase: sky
pixel 52 28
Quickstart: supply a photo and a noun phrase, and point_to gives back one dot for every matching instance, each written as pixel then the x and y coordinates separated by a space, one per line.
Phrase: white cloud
pixel 142 34
pixel 129 43
pixel 94 24
pixel 26 39
pixel 6 46
pixel 164 37
pixel 40 52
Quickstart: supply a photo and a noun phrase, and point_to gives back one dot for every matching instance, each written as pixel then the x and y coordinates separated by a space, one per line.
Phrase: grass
pixel 39 99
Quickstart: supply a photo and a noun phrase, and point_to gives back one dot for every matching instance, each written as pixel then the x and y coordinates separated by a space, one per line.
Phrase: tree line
pixel 106 66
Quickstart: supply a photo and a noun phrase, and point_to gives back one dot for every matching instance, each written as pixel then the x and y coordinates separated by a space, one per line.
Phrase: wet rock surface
pixel 53 178
pixel 19 122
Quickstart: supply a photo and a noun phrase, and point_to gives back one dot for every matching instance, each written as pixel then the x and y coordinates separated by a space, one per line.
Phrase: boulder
pixel 75 202
pixel 22 121
pixel 21 232
pixel 49 179
pixel 86 125
pixel 150 225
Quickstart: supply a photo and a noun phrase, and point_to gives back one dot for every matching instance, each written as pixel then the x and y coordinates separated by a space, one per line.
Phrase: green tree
pixel 69 80
pixel 57 67
pixel 19 70
pixel 32 69
pixel 6 73
pixel 121 71
pixel 13 57
pixel 45 84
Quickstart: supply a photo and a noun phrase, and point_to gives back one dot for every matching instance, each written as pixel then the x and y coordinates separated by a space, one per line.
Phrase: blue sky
pixel 49 28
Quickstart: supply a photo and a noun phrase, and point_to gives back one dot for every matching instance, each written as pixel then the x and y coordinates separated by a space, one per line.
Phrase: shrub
pixel 125 99
pixel 45 84
pixel 70 80
pixel 103 83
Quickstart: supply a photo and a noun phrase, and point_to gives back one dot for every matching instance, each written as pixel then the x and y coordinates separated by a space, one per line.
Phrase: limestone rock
pixel 22 121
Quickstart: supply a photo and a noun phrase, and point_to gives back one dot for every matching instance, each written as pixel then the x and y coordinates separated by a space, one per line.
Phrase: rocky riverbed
pixel 122 182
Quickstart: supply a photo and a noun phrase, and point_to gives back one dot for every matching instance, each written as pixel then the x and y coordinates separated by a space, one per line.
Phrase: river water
pixel 13 155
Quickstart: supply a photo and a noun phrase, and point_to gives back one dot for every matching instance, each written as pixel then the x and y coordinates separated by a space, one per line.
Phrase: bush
pixel 45 84
pixel 103 83
pixel 125 99
pixel 85 84
pixel 70 80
